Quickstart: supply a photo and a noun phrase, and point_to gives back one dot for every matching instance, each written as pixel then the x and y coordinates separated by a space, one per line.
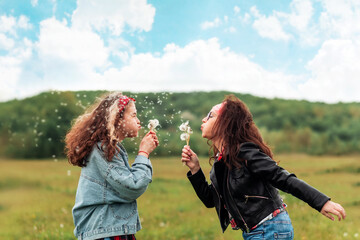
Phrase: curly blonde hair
pixel 99 123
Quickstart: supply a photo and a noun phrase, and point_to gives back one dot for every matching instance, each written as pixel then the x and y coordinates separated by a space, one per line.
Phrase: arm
pixel 128 183
pixel 263 166
pixel 202 188
pixel 197 177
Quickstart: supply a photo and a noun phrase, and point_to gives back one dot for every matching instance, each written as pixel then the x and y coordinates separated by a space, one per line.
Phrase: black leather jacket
pixel 249 193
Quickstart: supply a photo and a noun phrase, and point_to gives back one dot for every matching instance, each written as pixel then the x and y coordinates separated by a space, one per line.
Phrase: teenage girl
pixel 245 178
pixel 105 205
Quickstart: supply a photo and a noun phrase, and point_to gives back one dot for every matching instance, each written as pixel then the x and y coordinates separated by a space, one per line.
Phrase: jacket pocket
pixel 255 198
pixel 123 210
pixel 253 205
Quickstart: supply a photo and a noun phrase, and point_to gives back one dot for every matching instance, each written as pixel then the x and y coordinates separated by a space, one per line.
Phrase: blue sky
pixel 298 49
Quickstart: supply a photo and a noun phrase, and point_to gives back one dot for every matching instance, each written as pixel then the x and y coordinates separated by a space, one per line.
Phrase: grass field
pixel 36 198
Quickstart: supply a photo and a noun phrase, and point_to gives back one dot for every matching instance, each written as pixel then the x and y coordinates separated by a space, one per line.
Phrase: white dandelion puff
pixel 184 136
pixel 153 124
pixel 186 129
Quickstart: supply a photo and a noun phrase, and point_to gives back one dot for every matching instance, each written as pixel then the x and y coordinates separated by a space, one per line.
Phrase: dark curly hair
pixel 234 126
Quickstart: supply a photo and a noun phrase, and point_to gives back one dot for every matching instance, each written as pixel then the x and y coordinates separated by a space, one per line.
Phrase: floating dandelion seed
pixel 153 124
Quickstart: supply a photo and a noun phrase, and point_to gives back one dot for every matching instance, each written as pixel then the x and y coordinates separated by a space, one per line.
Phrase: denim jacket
pixel 106 196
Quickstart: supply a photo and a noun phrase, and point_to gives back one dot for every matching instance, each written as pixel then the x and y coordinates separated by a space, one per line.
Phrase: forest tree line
pixel 35 127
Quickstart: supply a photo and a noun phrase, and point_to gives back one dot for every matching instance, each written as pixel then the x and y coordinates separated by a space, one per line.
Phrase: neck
pixel 218 145
pixel 121 137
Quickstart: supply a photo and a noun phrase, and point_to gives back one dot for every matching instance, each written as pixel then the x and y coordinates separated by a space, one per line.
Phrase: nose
pixel 204 120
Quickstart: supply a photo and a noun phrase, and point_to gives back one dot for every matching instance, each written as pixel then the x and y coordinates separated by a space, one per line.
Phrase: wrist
pixel 195 169
pixel 143 153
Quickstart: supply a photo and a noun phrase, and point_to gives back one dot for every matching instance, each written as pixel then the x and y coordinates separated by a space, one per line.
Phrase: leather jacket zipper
pixel 219 200
pixel 247 197
pixel 246 226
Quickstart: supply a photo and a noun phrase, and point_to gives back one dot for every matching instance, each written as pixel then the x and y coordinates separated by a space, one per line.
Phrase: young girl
pixel 244 177
pixel 105 205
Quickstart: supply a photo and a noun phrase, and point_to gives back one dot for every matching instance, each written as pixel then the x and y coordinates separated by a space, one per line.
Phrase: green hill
pixel 35 127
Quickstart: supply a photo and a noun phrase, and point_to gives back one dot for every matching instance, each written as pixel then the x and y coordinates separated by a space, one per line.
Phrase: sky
pixel 299 49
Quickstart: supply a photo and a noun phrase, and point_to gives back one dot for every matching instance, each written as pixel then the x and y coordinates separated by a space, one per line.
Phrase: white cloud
pixel 231 29
pixel 7 24
pixel 245 19
pixel 335 72
pixel 211 24
pixel 340 18
pixel 10 72
pixel 337 19
pixel 5 42
pixel 23 22
pixel 109 15
pixel 80 47
pixel 335 68
pixel 269 27
pixel 283 26
pixel 11 24
pixel 11 68
pixel 255 12
pixel 301 13
pixel 236 9
pixel 300 22
pixel 121 48
pixel 34 3
pixel 69 58
pixel 200 65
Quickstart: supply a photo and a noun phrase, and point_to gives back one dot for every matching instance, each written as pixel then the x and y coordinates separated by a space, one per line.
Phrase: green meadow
pixel 36 198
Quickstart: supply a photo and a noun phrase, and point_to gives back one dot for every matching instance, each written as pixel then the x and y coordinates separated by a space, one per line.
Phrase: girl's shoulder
pixel 98 155
pixel 248 150
pixel 247 146
pixel 97 152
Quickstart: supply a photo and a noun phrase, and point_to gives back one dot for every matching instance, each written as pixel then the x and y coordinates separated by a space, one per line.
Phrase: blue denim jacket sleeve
pixel 129 182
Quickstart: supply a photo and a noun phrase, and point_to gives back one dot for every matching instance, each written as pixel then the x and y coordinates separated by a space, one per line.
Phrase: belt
pixel 271 215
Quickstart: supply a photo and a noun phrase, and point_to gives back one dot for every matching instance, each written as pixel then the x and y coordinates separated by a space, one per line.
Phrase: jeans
pixel 279 227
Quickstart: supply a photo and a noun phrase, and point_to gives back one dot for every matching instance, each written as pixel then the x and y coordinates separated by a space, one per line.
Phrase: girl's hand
pixel 149 142
pixel 190 159
pixel 333 208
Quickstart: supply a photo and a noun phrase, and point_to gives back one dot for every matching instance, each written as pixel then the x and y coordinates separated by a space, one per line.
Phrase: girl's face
pixel 208 123
pixel 130 124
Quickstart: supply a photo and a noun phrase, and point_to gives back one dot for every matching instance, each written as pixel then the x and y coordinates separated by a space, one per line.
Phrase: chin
pixel 134 135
